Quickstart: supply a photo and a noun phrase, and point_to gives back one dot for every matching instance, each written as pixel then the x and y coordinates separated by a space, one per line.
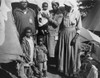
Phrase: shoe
pixel 46 77
pixel 45 73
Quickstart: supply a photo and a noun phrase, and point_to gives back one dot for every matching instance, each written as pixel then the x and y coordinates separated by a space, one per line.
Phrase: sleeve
pixel 14 15
pixel 56 21
pixel 23 45
pixel 34 57
pixel 45 49
pixel 33 11
pixel 39 19
pixel 79 22
pixel 36 20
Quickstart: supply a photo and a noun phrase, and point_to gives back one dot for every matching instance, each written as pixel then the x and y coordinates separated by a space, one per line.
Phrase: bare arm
pixel 57 21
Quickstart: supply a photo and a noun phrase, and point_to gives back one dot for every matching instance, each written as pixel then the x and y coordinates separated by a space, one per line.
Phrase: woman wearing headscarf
pixel 53 28
pixel 68 46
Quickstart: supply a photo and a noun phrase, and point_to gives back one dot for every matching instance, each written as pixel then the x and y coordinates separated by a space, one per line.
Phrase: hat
pixel 68 3
pixel 55 3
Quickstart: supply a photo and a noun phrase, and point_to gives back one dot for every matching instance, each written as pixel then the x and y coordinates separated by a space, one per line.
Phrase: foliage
pixel 85 6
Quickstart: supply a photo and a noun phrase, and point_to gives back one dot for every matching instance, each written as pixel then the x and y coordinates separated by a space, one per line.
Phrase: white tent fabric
pixel 92 22
pixel 89 35
pixel 10 48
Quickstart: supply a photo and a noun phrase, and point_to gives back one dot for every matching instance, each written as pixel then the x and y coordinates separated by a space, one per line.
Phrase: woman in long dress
pixel 67 58
pixel 54 21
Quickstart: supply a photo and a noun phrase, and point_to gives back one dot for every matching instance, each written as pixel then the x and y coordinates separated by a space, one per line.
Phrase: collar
pixel 19 9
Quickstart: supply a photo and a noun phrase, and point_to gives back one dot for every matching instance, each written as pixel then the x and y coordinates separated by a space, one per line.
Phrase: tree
pixel 85 6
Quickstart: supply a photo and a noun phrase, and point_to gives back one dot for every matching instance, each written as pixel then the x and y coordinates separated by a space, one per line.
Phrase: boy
pixel 41 57
pixel 43 22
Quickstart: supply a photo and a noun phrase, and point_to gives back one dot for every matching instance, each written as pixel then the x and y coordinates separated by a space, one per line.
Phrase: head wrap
pixel 72 3
pixel 55 3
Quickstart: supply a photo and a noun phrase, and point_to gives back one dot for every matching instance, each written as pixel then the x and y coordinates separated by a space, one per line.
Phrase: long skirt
pixel 52 44
pixel 66 55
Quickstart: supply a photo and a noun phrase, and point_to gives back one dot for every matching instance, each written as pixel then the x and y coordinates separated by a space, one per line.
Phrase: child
pixel 43 22
pixel 28 45
pixel 28 52
pixel 41 57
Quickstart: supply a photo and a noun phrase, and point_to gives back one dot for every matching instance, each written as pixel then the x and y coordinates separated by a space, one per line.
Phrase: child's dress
pixel 41 54
pixel 28 48
pixel 43 22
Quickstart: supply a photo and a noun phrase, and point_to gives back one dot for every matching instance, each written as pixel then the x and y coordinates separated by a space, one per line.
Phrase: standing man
pixel 24 17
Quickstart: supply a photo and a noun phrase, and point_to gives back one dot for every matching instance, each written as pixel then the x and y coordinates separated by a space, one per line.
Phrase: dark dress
pixel 23 20
pixel 68 54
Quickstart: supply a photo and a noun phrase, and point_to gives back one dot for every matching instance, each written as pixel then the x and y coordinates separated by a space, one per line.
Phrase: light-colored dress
pixel 53 29
pixel 43 20
pixel 67 59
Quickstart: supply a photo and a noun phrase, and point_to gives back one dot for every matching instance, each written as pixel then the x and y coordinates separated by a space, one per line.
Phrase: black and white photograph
pixel 49 38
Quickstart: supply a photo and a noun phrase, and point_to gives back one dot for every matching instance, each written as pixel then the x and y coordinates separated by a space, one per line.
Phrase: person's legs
pixel 22 71
pixel 45 68
pixel 40 69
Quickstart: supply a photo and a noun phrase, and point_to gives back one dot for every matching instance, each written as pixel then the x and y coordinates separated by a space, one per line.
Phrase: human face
pixel 54 7
pixel 41 41
pixel 45 6
pixel 67 8
pixel 28 33
pixel 24 4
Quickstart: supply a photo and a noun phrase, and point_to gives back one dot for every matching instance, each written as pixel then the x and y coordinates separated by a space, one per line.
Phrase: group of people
pixel 59 28
pixel 48 35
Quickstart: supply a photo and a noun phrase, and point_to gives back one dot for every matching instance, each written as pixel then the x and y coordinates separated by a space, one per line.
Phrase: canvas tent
pixel 92 22
pixel 10 48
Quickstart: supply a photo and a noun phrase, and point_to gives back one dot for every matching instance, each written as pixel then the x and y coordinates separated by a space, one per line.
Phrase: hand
pixel 74 39
pixel 45 15
pixel 31 63
pixel 73 42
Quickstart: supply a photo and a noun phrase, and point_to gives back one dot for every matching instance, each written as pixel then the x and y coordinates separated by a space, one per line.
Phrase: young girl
pixel 28 45
pixel 28 52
